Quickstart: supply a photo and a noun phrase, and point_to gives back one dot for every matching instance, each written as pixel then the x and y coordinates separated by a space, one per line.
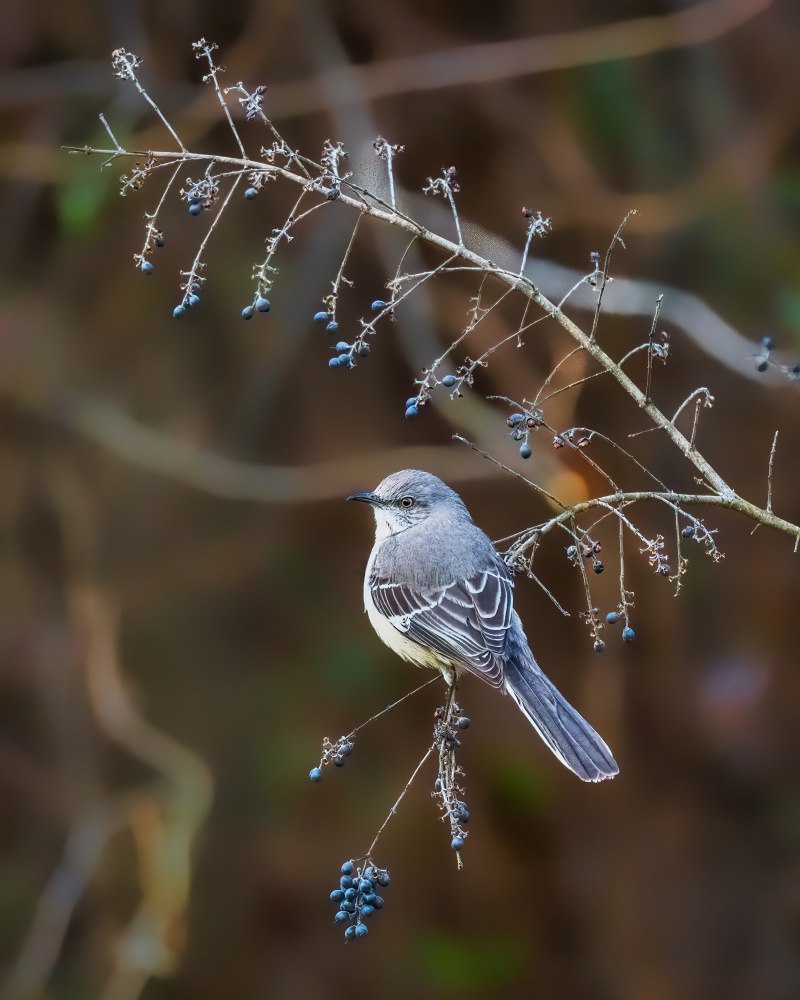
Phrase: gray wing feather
pixel 465 621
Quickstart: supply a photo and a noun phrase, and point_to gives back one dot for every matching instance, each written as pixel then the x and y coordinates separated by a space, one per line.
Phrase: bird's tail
pixel 568 734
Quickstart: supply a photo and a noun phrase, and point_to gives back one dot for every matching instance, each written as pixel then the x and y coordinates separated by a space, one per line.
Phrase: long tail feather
pixel 568 734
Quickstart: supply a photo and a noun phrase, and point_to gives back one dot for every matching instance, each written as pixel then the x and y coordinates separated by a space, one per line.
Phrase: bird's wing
pixel 465 621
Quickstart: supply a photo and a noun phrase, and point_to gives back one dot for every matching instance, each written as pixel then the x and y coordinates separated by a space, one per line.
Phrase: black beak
pixel 365 498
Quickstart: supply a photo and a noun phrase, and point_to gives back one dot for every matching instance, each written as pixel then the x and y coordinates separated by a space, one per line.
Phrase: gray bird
pixel 439 595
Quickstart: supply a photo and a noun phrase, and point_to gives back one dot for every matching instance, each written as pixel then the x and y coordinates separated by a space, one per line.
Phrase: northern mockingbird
pixel 439 595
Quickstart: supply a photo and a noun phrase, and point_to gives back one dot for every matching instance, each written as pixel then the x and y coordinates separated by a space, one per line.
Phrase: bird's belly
pixel 402 645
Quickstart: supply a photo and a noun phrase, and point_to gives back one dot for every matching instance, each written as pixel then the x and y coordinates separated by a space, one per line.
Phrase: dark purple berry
pixel 262 304
pixel 524 451
pixel 160 241
pixel 382 878
pixel 367 910
pixel 598 567
pixel 515 418
pixel 363 350
pixel 599 646
pixel 762 366
pixel 463 722
pixel 688 531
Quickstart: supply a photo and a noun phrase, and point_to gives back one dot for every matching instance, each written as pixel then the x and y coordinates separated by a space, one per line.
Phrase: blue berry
pixel 376 902
pixel 349 933
pixel 524 451
pixel 796 370
pixel 347 749
pixel 457 843
pixel 363 350
pixel 598 567
pixel 250 193
pixel 463 722
pixel 315 774
pixel 320 317
pixel 193 300
pixel 349 906
pixel 160 241
pixel 377 305
pixel 449 381
pixel 338 761
pixel 342 346
pixel 688 531
pixel 612 618
pixel 341 916
pixel 248 312
pixel 262 304
pixel 412 411
pixel 762 366
pixel 382 878
pixel 178 311
pixel 337 896
pixel 365 885
pixel 332 327
pixel 147 267
pixel 346 882
pixel 411 401
pixel 628 634
pixel 347 868
pixel 370 898
pixel 350 894
pixel 361 930
pixel 195 208
pixel 367 910
pixel 333 363
pixel 515 418
pixel 344 359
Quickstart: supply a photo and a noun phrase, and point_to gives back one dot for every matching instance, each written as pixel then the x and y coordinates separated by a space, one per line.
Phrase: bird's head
pixel 406 498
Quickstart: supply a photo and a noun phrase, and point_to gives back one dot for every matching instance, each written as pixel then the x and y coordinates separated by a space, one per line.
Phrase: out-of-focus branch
pixel 225 477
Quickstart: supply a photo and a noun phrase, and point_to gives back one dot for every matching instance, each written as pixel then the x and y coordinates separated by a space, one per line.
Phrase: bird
pixel 439 595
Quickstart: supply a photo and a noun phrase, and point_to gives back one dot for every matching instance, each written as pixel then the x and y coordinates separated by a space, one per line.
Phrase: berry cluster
pixel 589 550
pixel 521 425
pixel 333 753
pixel 346 354
pixel 356 897
pixel 260 304
pixel 628 635
pixel 454 809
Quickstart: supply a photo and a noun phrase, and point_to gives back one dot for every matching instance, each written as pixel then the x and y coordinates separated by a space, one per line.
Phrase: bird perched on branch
pixel 438 594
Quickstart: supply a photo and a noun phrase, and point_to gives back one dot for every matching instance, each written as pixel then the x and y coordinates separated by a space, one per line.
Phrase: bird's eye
pixel 407 502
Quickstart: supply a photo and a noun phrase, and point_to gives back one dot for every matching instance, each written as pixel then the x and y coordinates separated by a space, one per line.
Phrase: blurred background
pixel 180 581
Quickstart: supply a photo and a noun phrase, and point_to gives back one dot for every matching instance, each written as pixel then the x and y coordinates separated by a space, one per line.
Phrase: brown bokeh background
pixel 170 640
